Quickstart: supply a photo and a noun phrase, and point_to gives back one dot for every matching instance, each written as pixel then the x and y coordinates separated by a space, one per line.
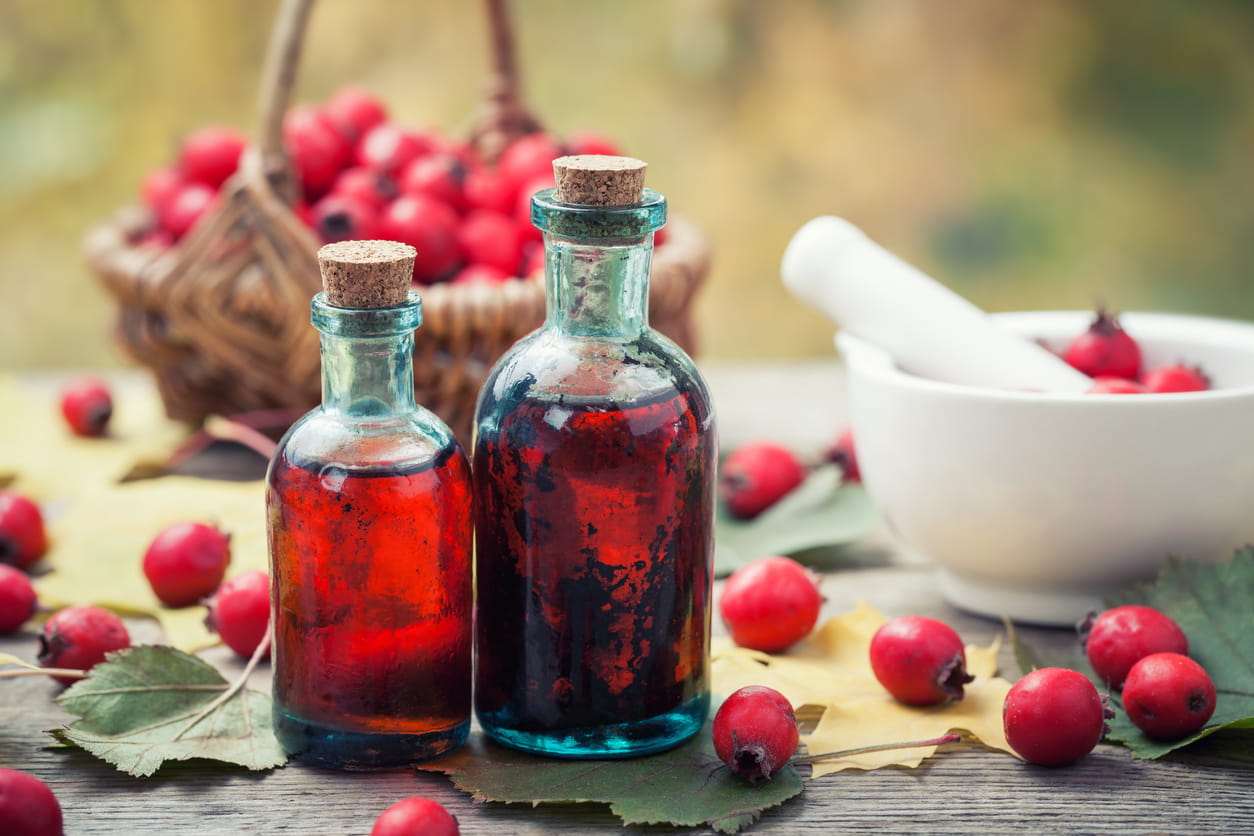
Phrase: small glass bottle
pixel 594 469
pixel 370 530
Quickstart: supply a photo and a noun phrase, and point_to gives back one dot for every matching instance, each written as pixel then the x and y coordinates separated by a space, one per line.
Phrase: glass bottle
pixel 594 468
pixel 370 532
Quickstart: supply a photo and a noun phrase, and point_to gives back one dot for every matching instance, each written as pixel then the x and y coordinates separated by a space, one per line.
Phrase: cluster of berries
pixel 363 176
pixel 1112 357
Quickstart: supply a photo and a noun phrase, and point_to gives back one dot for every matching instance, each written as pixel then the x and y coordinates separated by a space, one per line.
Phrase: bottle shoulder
pixel 410 442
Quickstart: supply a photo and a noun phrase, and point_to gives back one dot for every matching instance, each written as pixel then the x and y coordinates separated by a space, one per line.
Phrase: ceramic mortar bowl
pixel 1035 505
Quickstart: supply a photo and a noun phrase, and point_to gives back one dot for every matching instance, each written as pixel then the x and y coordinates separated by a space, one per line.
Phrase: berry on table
pixel 1168 696
pixel 1105 350
pixel 770 604
pixel 1120 637
pixel 87 406
pixel 755 732
pixel 28 806
pixel 1054 716
pixel 239 612
pixel 415 816
pixel 23 539
pixel 78 638
pixel 919 660
pixel 186 562
pixel 843 454
pixel 756 476
pixel 1178 377
pixel 17 599
pixel 210 155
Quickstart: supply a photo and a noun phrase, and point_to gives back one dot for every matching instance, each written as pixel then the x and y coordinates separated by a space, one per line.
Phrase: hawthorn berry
pixel 366 185
pixel 87 406
pixel 755 732
pixel 28 806
pixel 919 660
pixel 490 238
pixel 522 206
pixel 843 454
pixel 239 612
pixel 1105 350
pixel 481 274
pixel 1120 637
pixel 160 185
pixel 756 476
pixel 770 604
pixel 428 226
pixel 415 816
pixel 590 142
pixel 23 539
pixel 484 188
pixel 440 176
pixel 210 155
pixel 319 151
pixel 79 638
pixel 186 562
pixel 345 218
pixel 1178 377
pixel 527 158
pixel 1168 696
pixel 388 147
pixel 185 207
pixel 1054 716
pixel 1108 385
pixel 355 111
pixel 17 598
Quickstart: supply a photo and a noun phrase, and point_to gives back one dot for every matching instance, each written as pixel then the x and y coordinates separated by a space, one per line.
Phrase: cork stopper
pixel 366 274
pixel 596 180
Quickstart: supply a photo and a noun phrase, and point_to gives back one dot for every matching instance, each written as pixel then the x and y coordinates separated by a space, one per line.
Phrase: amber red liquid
pixel 373 602
pixel 594 562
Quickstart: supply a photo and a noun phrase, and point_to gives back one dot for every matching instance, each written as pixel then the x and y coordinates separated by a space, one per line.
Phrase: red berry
pixel 756 476
pixel 17 599
pixel 755 732
pixel 365 184
pixel 211 154
pixel 441 176
pixel 23 539
pixel 389 148
pixel 78 638
pixel 354 111
pixel 522 206
pixel 239 612
pixel 771 604
pixel 659 237
pixel 87 406
pixel 186 207
pixel 415 817
pixel 1054 716
pixel 319 151
pixel 486 189
pixel 533 259
pixel 27 805
pixel 490 238
pixel 843 454
pixel 481 274
pixel 430 227
pixel 343 218
pixel 919 660
pixel 1105 350
pixel 1168 696
pixel 160 185
pixel 1119 638
pixel 1106 385
pixel 1176 378
pixel 186 562
pixel 588 142
pixel 527 158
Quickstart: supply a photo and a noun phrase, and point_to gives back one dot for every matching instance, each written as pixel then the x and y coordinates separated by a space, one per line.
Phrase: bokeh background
pixel 1048 154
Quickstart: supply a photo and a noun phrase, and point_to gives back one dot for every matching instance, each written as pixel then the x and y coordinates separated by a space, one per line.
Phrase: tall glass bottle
pixel 370 531
pixel 594 468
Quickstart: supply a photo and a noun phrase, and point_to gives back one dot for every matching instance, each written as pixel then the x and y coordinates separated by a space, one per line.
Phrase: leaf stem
pixel 43 672
pixel 881 747
pixel 239 683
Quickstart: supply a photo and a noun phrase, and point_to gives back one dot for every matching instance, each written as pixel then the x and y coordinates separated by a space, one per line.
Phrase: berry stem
pixel 230 692
pixel 881 747
pixel 67 672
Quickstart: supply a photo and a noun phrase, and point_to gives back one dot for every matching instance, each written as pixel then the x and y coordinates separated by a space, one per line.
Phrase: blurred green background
pixel 1048 154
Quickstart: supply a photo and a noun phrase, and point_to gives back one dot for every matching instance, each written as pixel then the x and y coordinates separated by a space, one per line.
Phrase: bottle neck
pixel 598 290
pixel 368 358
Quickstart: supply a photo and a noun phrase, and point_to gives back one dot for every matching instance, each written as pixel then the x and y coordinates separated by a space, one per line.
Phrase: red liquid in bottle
pixel 372 591
pixel 594 568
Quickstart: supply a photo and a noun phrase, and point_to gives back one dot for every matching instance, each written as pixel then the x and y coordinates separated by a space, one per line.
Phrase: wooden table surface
pixel 964 790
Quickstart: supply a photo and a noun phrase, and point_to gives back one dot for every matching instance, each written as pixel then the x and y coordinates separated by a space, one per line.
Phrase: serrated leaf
pixel 821 511
pixel 1212 603
pixel 685 787
pixel 150 704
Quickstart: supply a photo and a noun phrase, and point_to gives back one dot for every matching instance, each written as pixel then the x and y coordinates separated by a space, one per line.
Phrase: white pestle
pixel 928 329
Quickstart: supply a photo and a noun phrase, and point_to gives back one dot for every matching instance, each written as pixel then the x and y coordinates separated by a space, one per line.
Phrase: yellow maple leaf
pixel 831 670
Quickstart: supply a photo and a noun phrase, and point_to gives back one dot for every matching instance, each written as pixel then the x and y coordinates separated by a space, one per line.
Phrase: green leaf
pixel 685 787
pixel 152 704
pixel 1212 603
pixel 821 511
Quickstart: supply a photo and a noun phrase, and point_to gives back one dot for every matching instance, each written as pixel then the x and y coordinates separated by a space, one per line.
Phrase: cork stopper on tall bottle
pixel 596 180
pixel 367 274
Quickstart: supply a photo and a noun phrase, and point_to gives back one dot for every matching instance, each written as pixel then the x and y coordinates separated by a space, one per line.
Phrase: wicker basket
pixel 222 318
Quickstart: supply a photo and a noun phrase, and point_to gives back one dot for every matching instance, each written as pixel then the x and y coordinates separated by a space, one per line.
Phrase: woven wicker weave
pixel 222 318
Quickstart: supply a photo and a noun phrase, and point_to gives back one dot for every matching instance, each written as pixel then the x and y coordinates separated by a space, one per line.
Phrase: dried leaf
pixel 820 512
pixel 152 704
pixel 832 670
pixel 685 787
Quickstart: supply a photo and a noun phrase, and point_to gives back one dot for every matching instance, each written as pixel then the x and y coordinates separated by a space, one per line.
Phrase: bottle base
pixel 337 748
pixel 620 740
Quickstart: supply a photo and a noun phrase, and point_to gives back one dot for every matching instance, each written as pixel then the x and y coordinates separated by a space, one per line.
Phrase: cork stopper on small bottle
pixel 367 274
pixel 595 180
